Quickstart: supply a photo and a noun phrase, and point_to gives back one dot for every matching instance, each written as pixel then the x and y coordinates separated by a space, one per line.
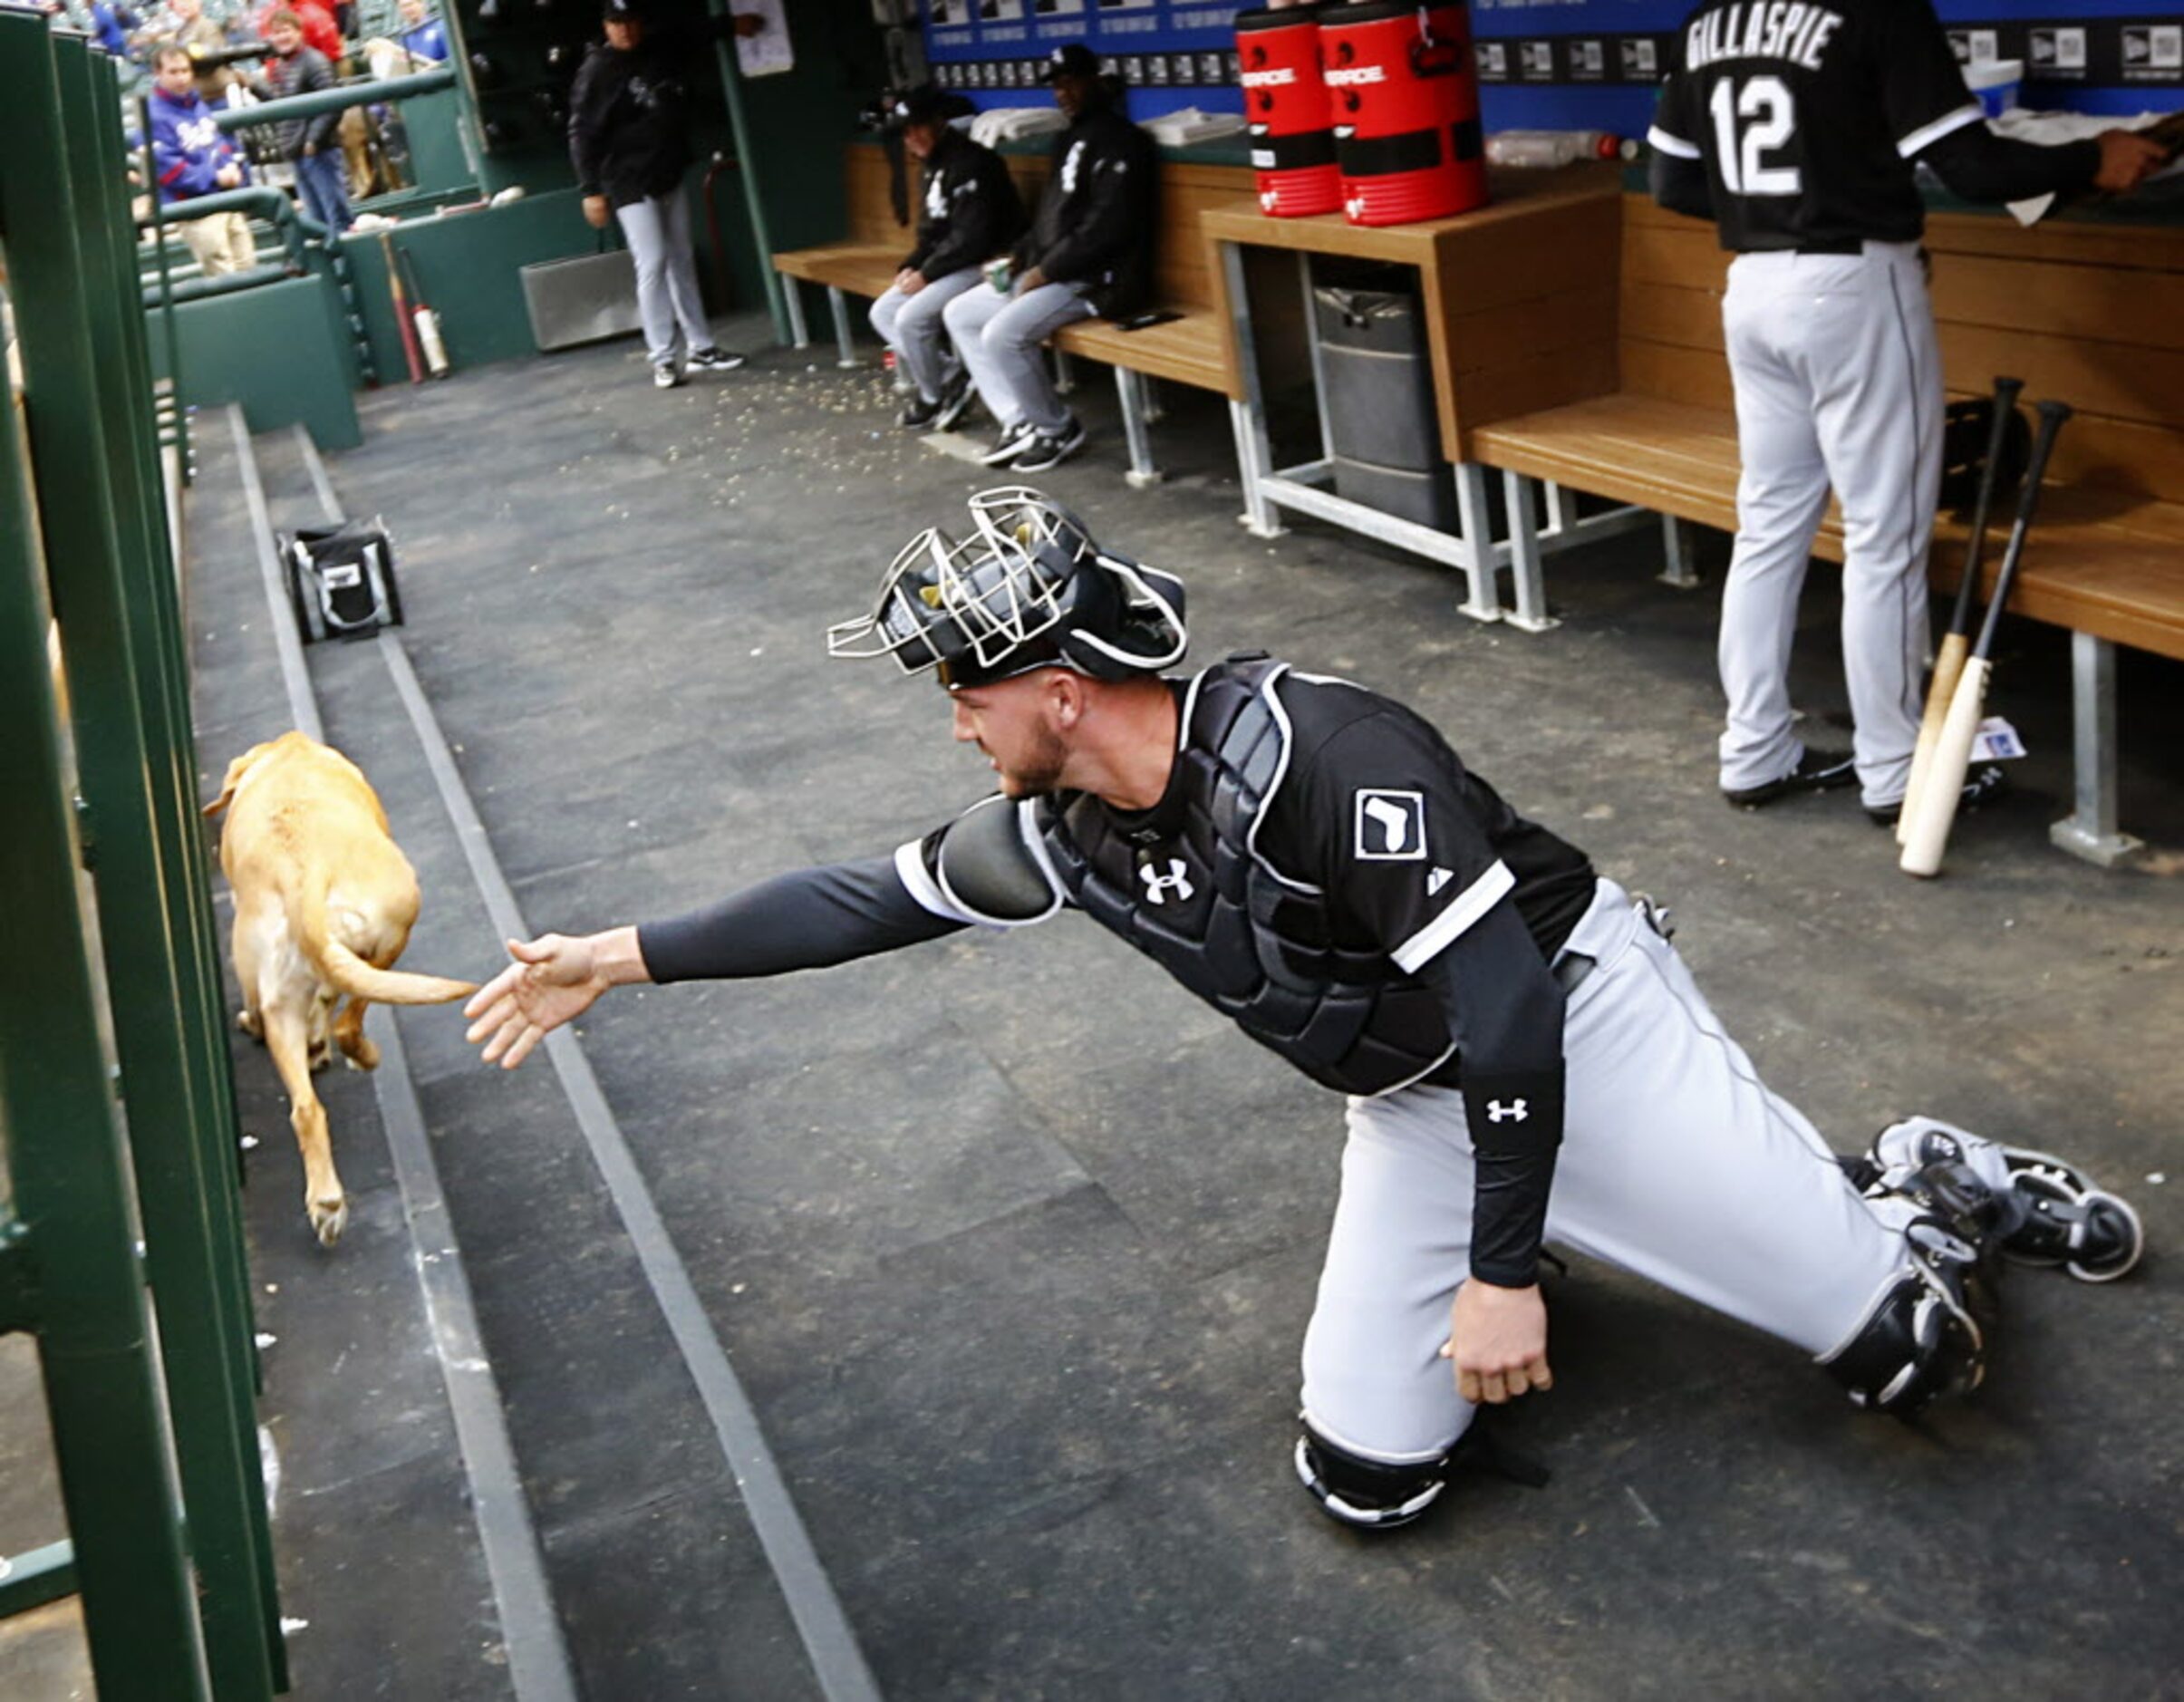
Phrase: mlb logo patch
pixel 1391 826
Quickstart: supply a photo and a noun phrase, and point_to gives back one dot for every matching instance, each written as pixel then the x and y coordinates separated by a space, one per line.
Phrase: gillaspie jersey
pixel 1807 117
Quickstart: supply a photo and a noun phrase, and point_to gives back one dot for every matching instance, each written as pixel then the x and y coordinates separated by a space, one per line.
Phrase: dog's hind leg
pixel 288 1037
pixel 349 1035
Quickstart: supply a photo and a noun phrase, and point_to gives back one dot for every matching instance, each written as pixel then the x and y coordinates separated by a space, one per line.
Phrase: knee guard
pixel 2033 1207
pixel 1366 1494
pixel 1920 1340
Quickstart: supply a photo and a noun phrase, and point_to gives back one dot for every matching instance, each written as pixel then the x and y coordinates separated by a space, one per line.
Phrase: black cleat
pixel 1051 449
pixel 1982 787
pixel 1011 443
pixel 713 360
pixel 1816 771
pixel 919 415
pixel 955 396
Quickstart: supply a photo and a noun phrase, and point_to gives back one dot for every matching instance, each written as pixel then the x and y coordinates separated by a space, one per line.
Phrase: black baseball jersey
pixel 1808 118
pixel 1392 851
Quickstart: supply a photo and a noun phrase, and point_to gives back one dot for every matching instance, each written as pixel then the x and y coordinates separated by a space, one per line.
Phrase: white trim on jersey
pixel 910 869
pixel 1035 842
pixel 1911 147
pixel 1468 905
pixel 1658 139
pixel 1266 801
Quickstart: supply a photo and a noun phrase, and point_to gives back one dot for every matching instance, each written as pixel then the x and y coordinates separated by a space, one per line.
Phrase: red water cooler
pixel 1292 124
pixel 1407 110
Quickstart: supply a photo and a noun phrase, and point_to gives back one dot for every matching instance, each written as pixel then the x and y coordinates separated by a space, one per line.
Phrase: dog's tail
pixel 350 974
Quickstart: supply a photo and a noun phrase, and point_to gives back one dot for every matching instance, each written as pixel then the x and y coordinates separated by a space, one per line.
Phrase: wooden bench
pixel 2080 310
pixel 1190 348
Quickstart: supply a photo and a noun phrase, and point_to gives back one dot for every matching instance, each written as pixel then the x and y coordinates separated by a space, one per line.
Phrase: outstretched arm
pixel 807 919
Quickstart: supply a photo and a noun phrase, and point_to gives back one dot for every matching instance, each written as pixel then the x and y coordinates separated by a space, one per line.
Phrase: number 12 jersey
pixel 1807 117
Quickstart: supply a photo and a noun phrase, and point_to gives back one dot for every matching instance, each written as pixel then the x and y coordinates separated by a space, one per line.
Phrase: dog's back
pixel 324 901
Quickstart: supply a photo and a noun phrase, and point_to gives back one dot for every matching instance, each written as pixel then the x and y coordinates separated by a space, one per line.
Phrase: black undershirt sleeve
pixel 1506 1013
pixel 806 919
pixel 1982 166
pixel 1681 186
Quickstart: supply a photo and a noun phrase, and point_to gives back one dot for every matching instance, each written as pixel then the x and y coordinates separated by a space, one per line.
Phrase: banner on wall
pixel 978 46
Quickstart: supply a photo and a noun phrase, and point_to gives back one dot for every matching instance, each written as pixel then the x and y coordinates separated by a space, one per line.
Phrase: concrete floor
pixel 1012 1244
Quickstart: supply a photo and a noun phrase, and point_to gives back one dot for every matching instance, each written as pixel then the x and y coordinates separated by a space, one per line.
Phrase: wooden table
pixel 1520 304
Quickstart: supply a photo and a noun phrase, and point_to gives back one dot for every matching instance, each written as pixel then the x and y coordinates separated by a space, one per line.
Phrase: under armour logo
pixel 1178 880
pixel 1513 1112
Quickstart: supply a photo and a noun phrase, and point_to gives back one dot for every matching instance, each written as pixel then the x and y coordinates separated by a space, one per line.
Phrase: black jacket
pixel 971 212
pixel 304 71
pixel 1100 217
pixel 627 136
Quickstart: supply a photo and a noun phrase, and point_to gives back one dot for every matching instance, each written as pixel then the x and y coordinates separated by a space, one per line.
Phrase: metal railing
pixel 120 1244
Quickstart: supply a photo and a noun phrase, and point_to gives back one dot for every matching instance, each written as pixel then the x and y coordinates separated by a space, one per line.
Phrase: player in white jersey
pixel 1795 127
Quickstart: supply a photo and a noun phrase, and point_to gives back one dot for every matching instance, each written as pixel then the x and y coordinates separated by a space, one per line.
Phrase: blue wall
pixel 1543 64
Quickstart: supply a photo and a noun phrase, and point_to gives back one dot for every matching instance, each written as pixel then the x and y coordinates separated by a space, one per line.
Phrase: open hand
pixel 598 211
pixel 1497 1337
pixel 553 980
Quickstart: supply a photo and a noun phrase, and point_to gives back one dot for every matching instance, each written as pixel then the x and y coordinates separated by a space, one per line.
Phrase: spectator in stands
pixel 1089 251
pixel 192 158
pixel 630 147
pixel 320 32
pixel 969 214
pixel 298 69
pixel 111 24
pixel 189 29
pixel 422 36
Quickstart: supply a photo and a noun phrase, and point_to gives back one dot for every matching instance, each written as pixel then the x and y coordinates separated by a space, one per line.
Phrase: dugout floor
pixel 1012 1244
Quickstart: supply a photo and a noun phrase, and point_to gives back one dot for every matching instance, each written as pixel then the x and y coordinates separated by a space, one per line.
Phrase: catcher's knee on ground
pixel 1366 1494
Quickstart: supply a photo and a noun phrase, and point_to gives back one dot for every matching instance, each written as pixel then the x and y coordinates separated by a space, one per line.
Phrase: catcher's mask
pixel 1028 588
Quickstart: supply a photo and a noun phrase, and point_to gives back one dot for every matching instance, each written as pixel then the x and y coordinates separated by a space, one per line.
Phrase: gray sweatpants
pixel 657 230
pixel 913 327
pixel 1676 1164
pixel 999 337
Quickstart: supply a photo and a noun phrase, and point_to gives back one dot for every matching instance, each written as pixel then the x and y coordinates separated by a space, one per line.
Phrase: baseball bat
pixel 428 321
pixel 1949 661
pixel 1928 835
pixel 402 311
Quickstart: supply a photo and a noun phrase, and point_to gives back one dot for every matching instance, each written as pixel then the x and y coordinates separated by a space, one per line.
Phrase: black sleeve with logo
pixel 1468 897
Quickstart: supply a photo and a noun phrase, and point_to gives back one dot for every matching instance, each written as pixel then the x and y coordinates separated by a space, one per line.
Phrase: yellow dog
pixel 323 904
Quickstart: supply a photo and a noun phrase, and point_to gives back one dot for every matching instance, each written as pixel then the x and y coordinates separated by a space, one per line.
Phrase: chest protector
pixel 1267 951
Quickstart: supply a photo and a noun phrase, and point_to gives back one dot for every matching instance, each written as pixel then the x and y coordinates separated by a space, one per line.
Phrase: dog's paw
pixel 248 1020
pixel 363 1055
pixel 329 1218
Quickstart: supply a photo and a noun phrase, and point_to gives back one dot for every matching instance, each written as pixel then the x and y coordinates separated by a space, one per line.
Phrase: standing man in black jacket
pixel 628 143
pixel 969 214
pixel 309 144
pixel 1089 251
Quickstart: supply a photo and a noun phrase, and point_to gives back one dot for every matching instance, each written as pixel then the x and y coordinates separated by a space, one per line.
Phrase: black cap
pixel 1072 58
pixel 622 11
pixel 928 103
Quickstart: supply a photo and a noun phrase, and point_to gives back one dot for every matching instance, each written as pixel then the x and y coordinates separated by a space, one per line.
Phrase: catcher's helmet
pixel 1028 588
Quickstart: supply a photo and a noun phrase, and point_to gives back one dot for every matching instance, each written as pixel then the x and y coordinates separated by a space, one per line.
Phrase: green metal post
pixel 87 381
pixel 731 84
pixel 69 1170
pixel 159 243
pixel 221 1469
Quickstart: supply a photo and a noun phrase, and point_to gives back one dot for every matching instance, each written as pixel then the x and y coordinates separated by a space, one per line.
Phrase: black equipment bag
pixel 340 580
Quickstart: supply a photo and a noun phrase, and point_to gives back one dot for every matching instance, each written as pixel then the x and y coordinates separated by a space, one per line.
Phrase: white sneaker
pixel 667 376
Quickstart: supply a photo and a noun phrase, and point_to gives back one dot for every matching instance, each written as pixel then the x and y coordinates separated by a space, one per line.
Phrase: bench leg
pixel 1480 601
pixel 1151 406
pixel 1065 374
pixel 1675 547
pixel 1143 473
pixel 1526 580
pixel 792 298
pixel 843 339
pixel 1252 457
pixel 2090 831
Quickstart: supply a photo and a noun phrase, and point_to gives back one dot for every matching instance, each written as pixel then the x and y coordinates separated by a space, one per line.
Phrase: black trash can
pixel 1378 393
